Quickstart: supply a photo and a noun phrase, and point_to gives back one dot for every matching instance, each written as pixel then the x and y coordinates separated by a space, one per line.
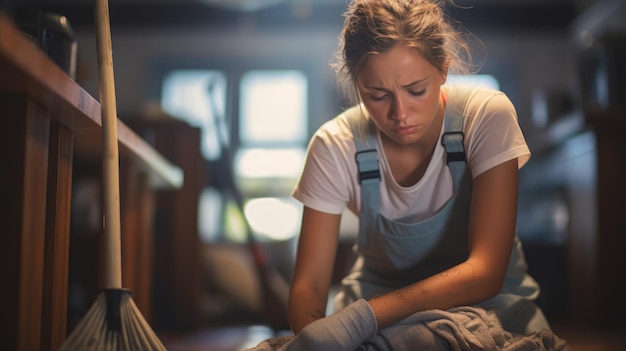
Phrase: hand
pixel 344 330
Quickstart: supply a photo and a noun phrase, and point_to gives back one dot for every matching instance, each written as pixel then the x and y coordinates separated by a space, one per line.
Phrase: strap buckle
pixel 454 144
pixel 367 162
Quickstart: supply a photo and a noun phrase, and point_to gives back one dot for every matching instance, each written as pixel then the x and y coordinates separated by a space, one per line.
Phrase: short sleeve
pixel 325 181
pixel 493 132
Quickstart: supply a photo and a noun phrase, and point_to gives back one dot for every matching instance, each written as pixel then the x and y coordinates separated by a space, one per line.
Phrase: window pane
pixel 198 97
pixel 273 107
pixel 260 163
pixel 210 208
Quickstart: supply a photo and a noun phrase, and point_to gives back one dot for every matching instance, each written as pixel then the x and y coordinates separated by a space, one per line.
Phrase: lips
pixel 404 130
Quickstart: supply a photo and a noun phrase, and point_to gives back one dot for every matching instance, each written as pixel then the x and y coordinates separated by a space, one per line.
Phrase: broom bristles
pixel 94 332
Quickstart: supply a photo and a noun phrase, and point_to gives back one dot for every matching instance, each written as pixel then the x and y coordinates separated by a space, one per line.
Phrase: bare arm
pixel 480 277
pixel 317 248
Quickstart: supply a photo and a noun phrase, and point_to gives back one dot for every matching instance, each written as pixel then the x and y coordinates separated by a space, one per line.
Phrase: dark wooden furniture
pixel 179 285
pixel 48 120
pixel 606 274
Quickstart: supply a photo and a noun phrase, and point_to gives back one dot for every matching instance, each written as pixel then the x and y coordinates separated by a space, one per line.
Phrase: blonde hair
pixel 374 26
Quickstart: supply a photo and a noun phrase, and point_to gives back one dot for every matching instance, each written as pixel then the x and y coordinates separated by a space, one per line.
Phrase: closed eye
pixel 378 97
pixel 418 93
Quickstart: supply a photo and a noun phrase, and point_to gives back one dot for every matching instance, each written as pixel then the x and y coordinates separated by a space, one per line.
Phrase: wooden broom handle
pixel 110 154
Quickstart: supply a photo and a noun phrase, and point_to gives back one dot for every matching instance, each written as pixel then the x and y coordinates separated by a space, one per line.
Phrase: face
pixel 401 91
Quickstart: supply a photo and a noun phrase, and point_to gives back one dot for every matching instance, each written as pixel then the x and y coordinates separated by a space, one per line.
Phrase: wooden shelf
pixel 26 70
pixel 47 119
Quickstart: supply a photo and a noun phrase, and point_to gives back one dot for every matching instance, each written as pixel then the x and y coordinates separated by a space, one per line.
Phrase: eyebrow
pixel 404 86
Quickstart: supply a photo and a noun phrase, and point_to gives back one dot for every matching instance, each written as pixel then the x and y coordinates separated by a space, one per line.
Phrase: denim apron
pixel 393 254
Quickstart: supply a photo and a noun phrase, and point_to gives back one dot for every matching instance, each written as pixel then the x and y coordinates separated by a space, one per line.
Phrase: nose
pixel 399 109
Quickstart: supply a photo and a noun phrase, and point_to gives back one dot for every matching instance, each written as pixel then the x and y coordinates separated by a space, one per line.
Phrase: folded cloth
pixel 461 328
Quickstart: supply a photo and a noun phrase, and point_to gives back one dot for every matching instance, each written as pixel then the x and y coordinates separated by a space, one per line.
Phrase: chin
pixel 406 139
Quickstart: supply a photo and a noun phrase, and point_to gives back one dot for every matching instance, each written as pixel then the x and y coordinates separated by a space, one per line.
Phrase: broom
pixel 114 322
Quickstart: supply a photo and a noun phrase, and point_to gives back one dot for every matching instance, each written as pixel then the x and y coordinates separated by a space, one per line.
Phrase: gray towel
pixel 461 328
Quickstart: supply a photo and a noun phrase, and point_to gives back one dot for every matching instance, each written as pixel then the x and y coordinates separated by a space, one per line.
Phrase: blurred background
pixel 241 85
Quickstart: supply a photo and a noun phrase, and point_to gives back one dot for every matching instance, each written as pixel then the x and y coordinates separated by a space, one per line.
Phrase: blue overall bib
pixel 393 254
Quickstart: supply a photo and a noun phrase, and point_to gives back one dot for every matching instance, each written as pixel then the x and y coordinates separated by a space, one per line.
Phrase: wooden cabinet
pixel 609 270
pixel 49 121
pixel 178 247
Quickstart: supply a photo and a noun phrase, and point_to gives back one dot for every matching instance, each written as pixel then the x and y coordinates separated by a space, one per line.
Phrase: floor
pixel 233 338
pixel 584 339
pixel 237 338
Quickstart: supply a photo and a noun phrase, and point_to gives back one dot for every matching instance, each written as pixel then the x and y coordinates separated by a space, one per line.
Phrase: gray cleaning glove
pixel 342 331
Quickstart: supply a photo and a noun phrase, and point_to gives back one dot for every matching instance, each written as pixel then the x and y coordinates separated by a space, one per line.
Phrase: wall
pixel 524 62
pixel 140 59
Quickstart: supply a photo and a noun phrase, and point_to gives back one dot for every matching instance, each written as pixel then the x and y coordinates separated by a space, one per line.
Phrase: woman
pixel 431 171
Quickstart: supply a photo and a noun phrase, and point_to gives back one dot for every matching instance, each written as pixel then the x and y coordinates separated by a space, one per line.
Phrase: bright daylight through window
pixel 273 120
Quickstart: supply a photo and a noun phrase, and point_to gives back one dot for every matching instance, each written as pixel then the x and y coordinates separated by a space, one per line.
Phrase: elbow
pixel 304 306
pixel 487 283
pixel 483 289
pixel 491 288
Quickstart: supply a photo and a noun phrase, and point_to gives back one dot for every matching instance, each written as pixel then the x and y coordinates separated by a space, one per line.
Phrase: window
pixel 198 97
pixel 273 137
pixel 273 107
pixel 272 131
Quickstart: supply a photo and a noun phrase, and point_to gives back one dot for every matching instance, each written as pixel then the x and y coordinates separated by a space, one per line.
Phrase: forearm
pixel 305 307
pixel 317 247
pixel 491 232
pixel 465 284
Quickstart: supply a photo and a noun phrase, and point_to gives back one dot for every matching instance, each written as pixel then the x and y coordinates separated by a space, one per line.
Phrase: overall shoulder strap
pixel 366 157
pixel 453 137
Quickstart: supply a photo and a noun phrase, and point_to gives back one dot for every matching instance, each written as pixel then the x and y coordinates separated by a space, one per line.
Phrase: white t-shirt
pixel 329 182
